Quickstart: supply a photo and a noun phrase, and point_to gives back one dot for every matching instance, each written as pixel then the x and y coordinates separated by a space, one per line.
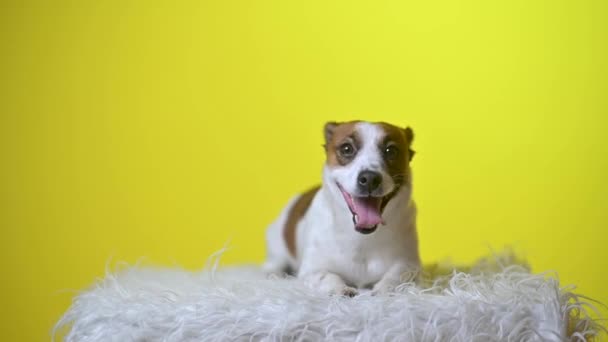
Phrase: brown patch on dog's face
pixel 396 151
pixel 341 143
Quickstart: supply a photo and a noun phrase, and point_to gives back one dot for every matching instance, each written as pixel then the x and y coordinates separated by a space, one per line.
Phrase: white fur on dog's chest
pixel 361 267
pixel 332 244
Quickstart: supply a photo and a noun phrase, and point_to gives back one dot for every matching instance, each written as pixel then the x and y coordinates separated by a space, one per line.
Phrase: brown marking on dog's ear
pixel 296 213
pixel 339 133
pixel 328 130
pixel 409 136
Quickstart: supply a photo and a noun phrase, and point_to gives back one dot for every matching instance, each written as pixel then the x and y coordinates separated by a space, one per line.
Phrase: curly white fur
pixel 487 303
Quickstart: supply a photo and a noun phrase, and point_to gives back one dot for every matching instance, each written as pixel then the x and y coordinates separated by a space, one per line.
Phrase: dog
pixel 358 229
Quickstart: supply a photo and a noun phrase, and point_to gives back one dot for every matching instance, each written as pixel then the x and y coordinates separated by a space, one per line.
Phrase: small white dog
pixel 329 236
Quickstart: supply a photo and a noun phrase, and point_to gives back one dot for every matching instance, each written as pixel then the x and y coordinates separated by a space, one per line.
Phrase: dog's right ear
pixel 409 134
pixel 329 130
pixel 409 137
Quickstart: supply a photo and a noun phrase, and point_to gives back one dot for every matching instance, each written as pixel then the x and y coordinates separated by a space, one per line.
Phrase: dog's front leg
pixel 396 274
pixel 329 283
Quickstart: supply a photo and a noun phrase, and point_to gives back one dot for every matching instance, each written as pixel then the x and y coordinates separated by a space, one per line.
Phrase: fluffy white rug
pixel 496 299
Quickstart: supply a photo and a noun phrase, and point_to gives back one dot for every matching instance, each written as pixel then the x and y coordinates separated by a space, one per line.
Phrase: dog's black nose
pixel 369 181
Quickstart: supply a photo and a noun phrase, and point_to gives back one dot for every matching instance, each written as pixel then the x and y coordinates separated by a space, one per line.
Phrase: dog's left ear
pixel 409 137
pixel 328 130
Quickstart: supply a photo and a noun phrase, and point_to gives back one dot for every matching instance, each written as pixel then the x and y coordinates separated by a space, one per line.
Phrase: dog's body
pixel 328 236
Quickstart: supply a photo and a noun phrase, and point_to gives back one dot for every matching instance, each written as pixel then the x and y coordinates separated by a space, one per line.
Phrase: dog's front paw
pixel 330 283
pixel 345 291
pixel 348 291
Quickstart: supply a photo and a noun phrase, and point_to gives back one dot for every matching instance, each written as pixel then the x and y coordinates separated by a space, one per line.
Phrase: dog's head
pixel 368 162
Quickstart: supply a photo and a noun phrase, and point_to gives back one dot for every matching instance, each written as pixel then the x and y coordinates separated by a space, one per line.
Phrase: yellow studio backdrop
pixel 164 130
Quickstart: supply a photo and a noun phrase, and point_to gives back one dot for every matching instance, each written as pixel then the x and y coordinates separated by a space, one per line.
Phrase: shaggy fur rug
pixel 496 299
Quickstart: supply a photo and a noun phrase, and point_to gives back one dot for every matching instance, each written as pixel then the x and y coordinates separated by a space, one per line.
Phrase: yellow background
pixel 165 129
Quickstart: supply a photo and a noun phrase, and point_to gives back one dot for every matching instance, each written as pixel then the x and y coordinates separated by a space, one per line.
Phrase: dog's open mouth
pixel 367 211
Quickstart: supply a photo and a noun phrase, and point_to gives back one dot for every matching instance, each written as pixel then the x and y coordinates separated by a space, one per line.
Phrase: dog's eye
pixel 391 152
pixel 347 150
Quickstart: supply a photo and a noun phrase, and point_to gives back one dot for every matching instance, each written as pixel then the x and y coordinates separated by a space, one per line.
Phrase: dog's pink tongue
pixel 368 211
